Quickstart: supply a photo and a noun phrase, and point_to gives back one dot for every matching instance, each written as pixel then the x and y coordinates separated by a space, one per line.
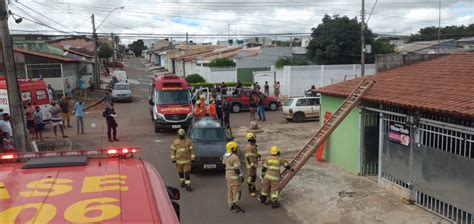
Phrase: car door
pixel 198 94
pixel 245 98
pixel 302 105
pixel 315 107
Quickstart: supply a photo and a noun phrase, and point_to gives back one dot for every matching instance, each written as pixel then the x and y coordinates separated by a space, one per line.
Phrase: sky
pixel 204 19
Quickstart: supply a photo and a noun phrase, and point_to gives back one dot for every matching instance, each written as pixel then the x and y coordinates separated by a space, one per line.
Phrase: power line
pixel 43 16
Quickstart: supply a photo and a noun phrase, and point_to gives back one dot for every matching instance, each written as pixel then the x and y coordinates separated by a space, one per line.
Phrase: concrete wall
pixel 271 77
pixel 390 61
pixel 342 146
pixel 246 74
pixel 217 75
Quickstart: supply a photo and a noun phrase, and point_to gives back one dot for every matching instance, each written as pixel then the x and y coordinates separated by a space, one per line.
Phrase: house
pixel 76 42
pixel 466 43
pixel 177 57
pixel 446 46
pixel 258 59
pixel 413 133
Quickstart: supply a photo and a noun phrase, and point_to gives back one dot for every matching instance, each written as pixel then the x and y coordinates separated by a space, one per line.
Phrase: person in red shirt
pixel 198 111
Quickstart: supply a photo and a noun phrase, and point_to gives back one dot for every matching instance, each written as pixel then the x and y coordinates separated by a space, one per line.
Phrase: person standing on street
pixel 64 104
pixel 251 157
pixel 276 89
pixel 212 108
pixel 271 176
pixel 56 120
pixel 79 114
pixel 261 107
pixel 253 106
pixel 223 89
pixel 6 126
pixel 226 114
pixel 67 84
pixel 266 88
pixel 39 124
pixel 50 92
pixel 30 121
pixel 91 85
pixel 182 153
pixel 109 114
pixel 233 176
pixel 219 108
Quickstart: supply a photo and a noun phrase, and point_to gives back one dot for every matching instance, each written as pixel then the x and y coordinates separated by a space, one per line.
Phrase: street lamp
pixel 96 57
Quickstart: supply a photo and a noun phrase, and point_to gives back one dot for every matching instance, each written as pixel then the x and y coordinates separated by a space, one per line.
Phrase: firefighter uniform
pixel 198 111
pixel 182 153
pixel 233 176
pixel 271 175
pixel 252 157
pixel 212 109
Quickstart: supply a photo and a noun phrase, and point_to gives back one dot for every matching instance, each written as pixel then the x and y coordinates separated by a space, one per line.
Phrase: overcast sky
pixel 231 16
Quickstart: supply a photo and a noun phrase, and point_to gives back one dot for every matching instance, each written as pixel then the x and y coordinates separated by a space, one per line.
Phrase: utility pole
pixel 113 50
pixel 439 24
pixel 96 56
pixel 362 40
pixel 187 41
pixel 14 99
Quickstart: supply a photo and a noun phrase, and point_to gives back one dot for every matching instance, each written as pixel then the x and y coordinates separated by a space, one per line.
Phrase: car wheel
pixel 289 119
pixel 236 108
pixel 299 117
pixel 273 106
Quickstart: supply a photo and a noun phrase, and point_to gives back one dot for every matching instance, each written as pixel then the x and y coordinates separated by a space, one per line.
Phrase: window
pixel 172 97
pixel 302 102
pixel 314 101
pixel 208 134
pixel 41 95
pixel 288 102
pixel 121 87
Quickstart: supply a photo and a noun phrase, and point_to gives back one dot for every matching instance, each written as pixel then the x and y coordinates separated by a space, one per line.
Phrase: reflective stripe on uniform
pixel 193 157
pixel 273 168
pixel 173 148
pixel 181 150
pixel 250 154
pixel 187 182
pixel 191 147
pixel 233 177
pixel 173 157
pixel 250 166
pixel 274 195
pixel 182 162
pixel 270 177
pixel 273 162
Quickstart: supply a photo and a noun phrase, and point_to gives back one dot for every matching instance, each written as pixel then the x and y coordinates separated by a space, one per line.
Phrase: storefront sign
pixel 399 133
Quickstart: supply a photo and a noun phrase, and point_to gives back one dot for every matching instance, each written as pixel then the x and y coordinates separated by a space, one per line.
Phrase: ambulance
pixel 89 186
pixel 34 91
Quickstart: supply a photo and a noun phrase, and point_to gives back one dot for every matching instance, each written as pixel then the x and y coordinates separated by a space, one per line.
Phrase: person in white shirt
pixel 5 125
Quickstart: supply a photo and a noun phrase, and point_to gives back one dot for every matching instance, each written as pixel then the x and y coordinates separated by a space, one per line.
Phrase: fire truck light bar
pixel 27 155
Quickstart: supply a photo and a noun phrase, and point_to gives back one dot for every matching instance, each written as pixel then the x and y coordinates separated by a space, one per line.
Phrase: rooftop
pixel 45 55
pixel 442 85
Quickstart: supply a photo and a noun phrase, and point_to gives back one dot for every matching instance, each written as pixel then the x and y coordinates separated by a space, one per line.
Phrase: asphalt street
pixel 207 203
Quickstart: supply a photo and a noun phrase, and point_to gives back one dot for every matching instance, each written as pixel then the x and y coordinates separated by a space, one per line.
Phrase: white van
pixel 121 76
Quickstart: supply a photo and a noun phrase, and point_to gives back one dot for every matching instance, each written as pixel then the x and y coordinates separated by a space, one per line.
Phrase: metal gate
pixel 431 158
pixel 369 156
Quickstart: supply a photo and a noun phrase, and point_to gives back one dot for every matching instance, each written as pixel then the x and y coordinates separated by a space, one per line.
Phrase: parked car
pixel 242 101
pixel 299 109
pixel 121 76
pixel 115 64
pixel 122 91
pixel 209 140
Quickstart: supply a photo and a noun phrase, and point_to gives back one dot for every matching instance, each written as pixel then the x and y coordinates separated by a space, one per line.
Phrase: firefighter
pixel 182 153
pixel 271 176
pixel 202 99
pixel 198 112
pixel 252 157
pixel 212 108
pixel 233 176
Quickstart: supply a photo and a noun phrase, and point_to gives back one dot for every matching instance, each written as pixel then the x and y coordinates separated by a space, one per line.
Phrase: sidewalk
pixel 324 193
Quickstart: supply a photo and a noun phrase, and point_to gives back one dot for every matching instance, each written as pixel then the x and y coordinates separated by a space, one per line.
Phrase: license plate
pixel 210 166
pixel 176 126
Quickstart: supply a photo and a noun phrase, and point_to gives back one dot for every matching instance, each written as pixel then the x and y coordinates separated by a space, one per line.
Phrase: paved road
pixel 207 203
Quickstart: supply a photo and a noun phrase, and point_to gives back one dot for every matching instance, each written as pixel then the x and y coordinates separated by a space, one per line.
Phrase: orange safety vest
pixel 203 106
pixel 199 112
pixel 212 110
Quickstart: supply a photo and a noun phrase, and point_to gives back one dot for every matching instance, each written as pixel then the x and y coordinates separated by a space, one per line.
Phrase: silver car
pixel 122 92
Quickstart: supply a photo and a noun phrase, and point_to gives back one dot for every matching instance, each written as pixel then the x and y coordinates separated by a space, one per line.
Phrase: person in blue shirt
pixel 79 113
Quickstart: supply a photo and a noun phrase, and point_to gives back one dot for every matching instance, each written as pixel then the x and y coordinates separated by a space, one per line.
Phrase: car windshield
pixel 289 102
pixel 208 134
pixel 121 87
pixel 172 97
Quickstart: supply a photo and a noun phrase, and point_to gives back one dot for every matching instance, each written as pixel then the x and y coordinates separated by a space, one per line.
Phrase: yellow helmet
pixel 274 150
pixel 198 102
pixel 231 146
pixel 202 97
pixel 181 132
pixel 250 135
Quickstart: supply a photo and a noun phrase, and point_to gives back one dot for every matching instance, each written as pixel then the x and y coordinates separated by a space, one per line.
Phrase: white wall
pixel 217 75
pixel 270 77
pixel 295 80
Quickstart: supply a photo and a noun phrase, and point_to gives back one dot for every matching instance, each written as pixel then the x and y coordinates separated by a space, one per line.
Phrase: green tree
pixel 383 46
pixel 195 78
pixel 222 62
pixel 105 51
pixel 337 41
pixel 137 47
pixel 447 32
pixel 285 61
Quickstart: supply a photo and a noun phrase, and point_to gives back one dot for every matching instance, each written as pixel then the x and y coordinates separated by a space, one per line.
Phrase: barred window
pixel 449 140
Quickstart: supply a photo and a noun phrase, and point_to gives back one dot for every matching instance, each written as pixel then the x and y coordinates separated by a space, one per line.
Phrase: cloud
pixel 235 17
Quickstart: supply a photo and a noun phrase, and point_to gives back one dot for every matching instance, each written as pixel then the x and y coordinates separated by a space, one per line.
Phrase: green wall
pixel 246 74
pixel 342 147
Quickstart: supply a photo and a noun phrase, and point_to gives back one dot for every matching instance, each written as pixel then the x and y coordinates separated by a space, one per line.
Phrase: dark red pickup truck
pixel 242 101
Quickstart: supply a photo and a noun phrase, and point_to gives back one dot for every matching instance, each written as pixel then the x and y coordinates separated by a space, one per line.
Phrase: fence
pixel 217 75
pixel 294 80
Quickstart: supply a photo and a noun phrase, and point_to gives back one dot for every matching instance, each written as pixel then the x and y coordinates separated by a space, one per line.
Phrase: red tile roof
pixel 442 85
pixel 45 55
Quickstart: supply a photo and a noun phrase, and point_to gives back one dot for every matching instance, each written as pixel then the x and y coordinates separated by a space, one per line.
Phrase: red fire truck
pixel 34 91
pixel 170 103
pixel 91 186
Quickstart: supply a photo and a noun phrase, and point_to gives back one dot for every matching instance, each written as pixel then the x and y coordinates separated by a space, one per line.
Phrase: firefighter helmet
pixel 181 132
pixel 198 103
pixel 250 136
pixel 274 150
pixel 202 97
pixel 231 146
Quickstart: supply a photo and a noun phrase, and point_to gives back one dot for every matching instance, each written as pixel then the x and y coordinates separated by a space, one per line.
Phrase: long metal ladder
pixel 320 137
